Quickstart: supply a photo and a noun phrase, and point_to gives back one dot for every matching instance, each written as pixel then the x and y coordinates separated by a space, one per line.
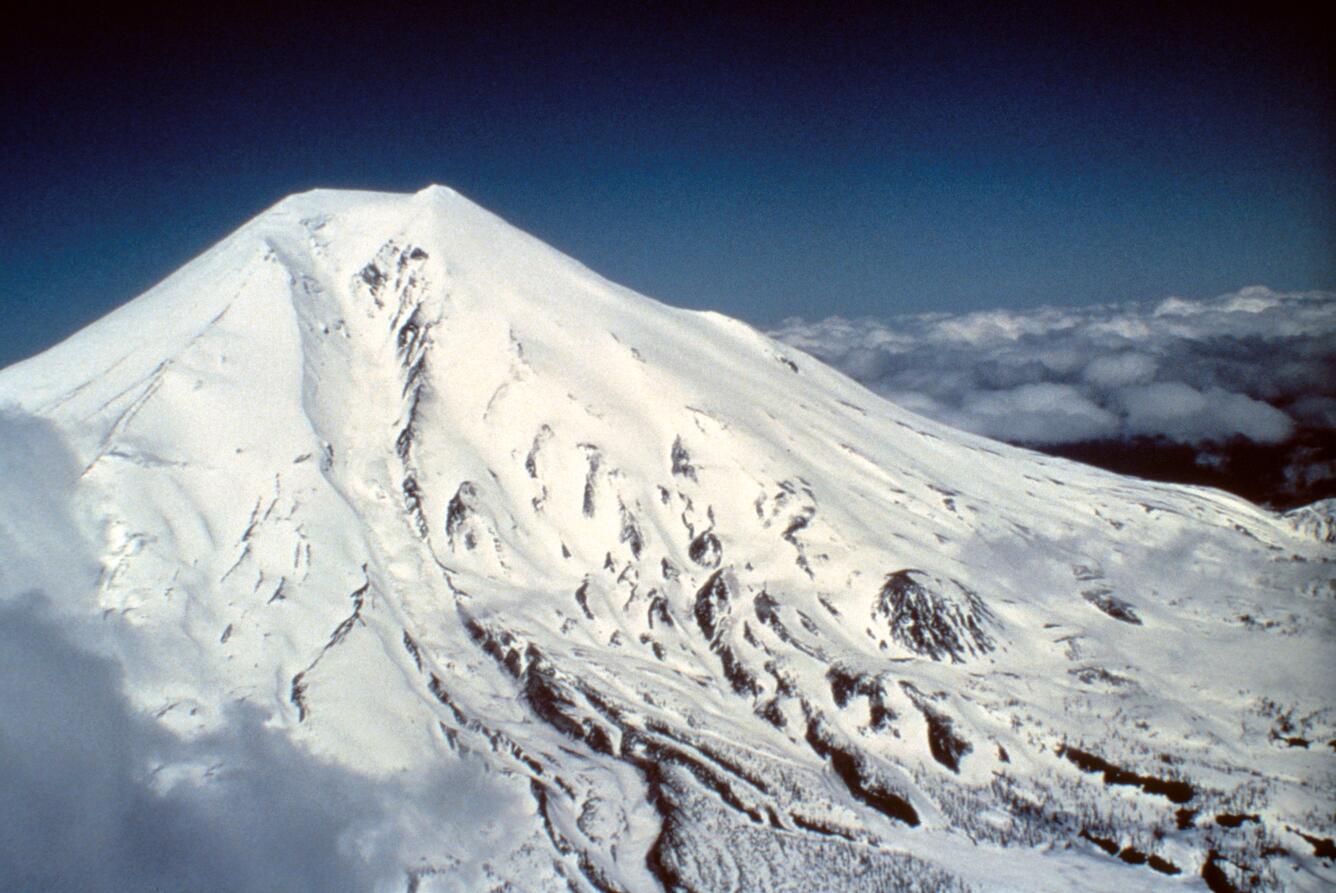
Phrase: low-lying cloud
pixel 97 796
pixel 1257 366
pixel 1253 364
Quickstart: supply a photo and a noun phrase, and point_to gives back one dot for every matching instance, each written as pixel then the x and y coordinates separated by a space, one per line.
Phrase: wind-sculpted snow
pixel 421 491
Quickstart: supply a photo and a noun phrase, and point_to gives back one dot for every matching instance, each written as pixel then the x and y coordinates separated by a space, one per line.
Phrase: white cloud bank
pixel 96 796
pixel 1255 364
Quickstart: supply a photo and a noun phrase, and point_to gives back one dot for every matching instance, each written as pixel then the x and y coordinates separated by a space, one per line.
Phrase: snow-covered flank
pixel 1318 520
pixel 414 485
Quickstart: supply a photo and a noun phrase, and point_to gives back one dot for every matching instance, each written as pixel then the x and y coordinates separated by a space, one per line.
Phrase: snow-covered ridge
pixel 415 484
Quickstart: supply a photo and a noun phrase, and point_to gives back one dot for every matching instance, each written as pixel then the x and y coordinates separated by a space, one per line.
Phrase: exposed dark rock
pixel 682 466
pixel 373 276
pixel 1323 847
pixel 457 513
pixel 1131 855
pixel 411 647
pixel 843 685
pixel 741 679
pixel 406 339
pixel 644 751
pixel 416 375
pixel 582 599
pixel 846 765
pixel 1110 604
pixel 1100 676
pixel 531 460
pixel 1174 791
pixel 1214 876
pixel 705 550
pixel 1162 865
pixel 658 611
pixel 1234 820
pixel 712 603
pixel 795 526
pixel 437 689
pixel 297 695
pixel 1104 843
pixel 403 444
pixel 933 619
pixel 946 746
pixel 820 827
pixel 767 608
pixel 341 631
pixel 549 699
pixel 771 713
pixel 591 480
pixel 413 504
pixel 630 533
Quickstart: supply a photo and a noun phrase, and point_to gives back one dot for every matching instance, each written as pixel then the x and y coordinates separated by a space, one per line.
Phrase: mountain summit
pixel 416 486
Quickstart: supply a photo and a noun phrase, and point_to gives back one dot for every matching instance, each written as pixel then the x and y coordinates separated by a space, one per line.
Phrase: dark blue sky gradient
pixel 752 161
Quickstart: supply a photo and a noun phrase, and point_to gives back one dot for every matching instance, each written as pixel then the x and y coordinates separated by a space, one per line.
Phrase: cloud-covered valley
pixel 1217 387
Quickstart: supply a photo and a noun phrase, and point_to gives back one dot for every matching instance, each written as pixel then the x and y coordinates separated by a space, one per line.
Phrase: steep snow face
pixel 416 485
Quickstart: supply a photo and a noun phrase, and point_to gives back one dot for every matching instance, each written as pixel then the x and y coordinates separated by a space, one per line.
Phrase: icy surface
pixel 415 485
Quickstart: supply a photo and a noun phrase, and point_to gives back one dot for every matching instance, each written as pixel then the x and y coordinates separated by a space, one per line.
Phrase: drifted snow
pixel 415 484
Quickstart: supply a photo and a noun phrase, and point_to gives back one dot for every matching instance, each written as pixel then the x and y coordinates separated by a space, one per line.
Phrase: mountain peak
pixel 319 255
pixel 416 485
pixel 332 200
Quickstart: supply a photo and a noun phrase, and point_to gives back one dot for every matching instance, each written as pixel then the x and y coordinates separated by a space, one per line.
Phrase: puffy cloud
pixel 1029 412
pixel 96 796
pixel 1317 411
pixel 1183 413
pixel 1119 369
pixel 79 810
pixel 1250 364
pixel 1247 381
pixel 36 469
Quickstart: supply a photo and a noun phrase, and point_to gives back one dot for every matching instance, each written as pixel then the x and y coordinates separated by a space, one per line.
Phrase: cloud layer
pixel 1256 364
pixel 96 796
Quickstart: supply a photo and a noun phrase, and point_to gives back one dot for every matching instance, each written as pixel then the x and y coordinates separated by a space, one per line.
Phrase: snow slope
pixel 416 485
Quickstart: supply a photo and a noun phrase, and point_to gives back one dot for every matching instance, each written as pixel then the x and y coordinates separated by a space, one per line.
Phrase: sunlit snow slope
pixel 415 485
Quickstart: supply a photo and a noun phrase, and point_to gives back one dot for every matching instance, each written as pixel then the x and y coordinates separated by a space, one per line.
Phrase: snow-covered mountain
pixel 421 489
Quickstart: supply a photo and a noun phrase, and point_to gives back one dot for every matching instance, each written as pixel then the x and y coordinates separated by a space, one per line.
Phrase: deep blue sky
pixel 756 162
